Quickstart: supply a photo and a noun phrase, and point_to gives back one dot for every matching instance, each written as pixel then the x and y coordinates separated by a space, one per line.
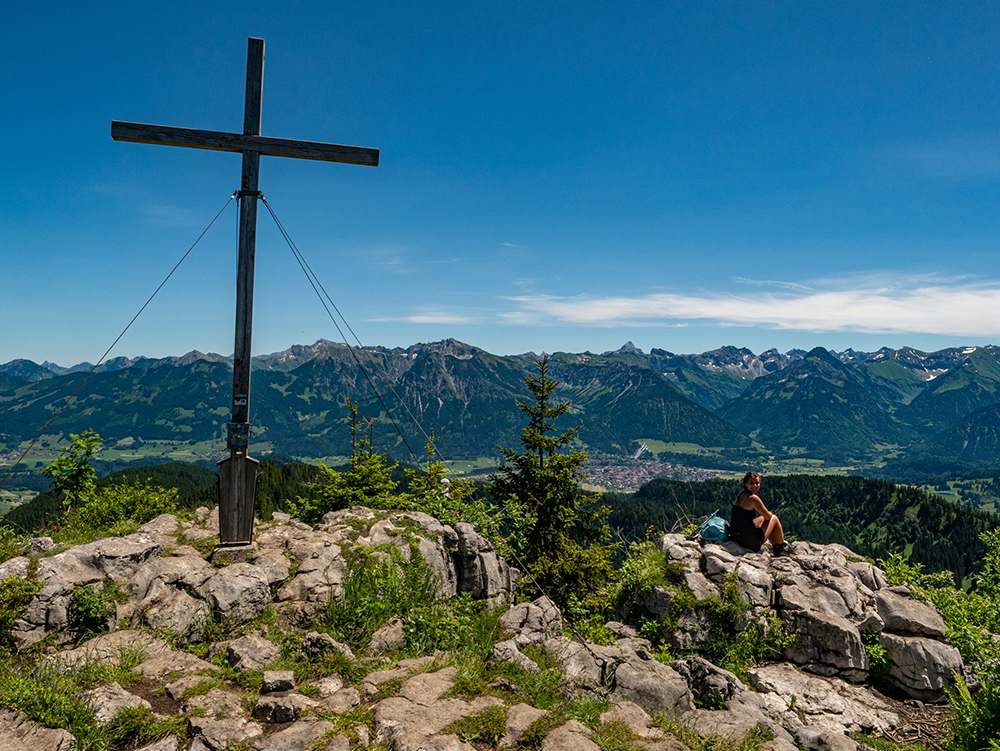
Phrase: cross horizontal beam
pixel 166 135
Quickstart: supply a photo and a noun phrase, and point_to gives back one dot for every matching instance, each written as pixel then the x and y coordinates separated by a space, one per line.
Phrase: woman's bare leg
pixel 773 531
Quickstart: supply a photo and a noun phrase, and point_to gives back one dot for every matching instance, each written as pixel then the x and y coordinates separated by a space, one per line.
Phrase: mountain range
pixel 892 408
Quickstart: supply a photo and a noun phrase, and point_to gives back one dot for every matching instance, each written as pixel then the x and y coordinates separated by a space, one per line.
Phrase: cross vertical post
pixel 238 473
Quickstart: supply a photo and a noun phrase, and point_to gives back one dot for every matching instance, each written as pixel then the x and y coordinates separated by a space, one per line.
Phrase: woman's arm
pixel 759 506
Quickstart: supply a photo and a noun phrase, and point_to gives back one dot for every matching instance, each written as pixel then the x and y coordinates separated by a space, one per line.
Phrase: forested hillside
pixel 902 413
pixel 874 518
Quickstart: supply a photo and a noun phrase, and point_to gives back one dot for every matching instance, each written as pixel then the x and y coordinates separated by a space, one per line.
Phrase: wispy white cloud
pixel 395 265
pixel 769 283
pixel 917 305
pixel 434 315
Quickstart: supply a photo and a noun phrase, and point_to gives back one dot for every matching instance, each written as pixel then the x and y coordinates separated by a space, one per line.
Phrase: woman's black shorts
pixel 749 538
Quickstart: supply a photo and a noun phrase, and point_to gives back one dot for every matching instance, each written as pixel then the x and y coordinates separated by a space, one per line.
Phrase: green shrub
pixel 976 721
pixel 92 606
pixel 134 727
pixel 15 595
pixel 644 568
pixel 368 482
pixel 11 543
pixel 878 661
pixel 739 642
pixel 487 726
pixel 51 696
pixel 461 624
pixel 115 511
pixel 379 585
pixel 72 475
pixel 968 616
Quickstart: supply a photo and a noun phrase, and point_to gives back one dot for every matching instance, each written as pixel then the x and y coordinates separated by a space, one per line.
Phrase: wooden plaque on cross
pixel 238 473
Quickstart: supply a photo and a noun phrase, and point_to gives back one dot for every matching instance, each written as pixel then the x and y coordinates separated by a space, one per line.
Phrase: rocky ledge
pixel 171 583
pixel 175 580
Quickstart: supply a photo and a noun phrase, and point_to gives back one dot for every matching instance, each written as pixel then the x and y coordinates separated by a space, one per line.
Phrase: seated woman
pixel 749 529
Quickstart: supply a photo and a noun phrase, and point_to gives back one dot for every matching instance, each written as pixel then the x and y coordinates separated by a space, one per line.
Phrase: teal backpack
pixel 715 529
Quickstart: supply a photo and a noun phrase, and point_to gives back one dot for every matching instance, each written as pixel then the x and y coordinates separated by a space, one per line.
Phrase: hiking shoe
pixel 785 548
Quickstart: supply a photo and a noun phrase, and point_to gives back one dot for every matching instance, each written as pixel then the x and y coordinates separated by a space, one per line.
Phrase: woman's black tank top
pixel 742 519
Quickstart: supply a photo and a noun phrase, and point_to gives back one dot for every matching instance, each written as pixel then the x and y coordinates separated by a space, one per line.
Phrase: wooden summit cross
pixel 238 473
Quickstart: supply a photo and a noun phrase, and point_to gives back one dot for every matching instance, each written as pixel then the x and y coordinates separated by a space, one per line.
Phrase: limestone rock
pixel 582 663
pixel 812 738
pixel 39 546
pixel 277 680
pixel 573 736
pixel 316 644
pixel 827 644
pixel 908 617
pixel 328 685
pixel 168 743
pixel 620 630
pixel 373 681
pixel 678 548
pixel 16 567
pixel 274 564
pixel 251 652
pixel 165 525
pixel 110 698
pixel 634 717
pixel 301 736
pixel 280 709
pixel 111 648
pixel 174 662
pixel 870 623
pixel 519 719
pixel 829 704
pixel 391 636
pixel 406 725
pixel 115 558
pixel 216 703
pixel 922 667
pixel 652 685
pixel 507 651
pixel 18 732
pixel 175 689
pixel 238 593
pixel 212 734
pixel 534 622
pixel 657 600
pixel 755 584
pixel 427 688
pixel 340 701
pixel 481 573
pixel 710 685
pixel 162 599
pixel 699 585
pixel 691 633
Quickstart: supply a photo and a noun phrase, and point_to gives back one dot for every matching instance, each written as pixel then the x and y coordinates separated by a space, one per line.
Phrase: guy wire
pixel 307 270
pixel 108 351
pixel 311 276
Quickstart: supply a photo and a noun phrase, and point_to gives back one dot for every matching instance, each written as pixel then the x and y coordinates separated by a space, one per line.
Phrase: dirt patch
pixel 160 702
pixel 925 724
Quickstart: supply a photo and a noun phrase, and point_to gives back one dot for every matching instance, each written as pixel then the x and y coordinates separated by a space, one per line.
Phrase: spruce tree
pixel 558 532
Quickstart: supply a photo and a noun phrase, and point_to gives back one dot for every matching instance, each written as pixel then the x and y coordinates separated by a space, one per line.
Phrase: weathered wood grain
pixel 166 135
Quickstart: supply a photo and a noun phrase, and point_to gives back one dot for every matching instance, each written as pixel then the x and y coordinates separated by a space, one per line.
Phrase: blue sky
pixel 554 176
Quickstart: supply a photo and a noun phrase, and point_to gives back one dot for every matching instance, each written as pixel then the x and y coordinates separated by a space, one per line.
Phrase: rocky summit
pixel 200 620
